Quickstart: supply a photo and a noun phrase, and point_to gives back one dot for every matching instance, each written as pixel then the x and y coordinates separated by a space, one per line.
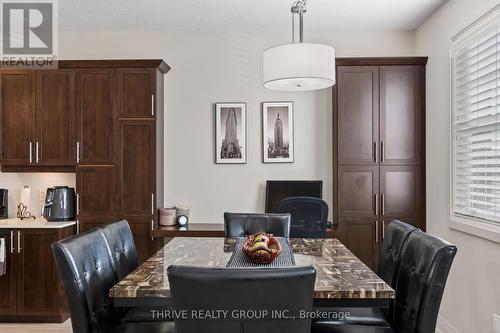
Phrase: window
pixel 475 69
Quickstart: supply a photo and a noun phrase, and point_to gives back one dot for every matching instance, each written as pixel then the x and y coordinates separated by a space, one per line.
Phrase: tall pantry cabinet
pixel 100 119
pixel 379 149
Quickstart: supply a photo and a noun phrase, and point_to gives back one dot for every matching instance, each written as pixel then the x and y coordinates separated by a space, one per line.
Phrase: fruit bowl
pixel 262 248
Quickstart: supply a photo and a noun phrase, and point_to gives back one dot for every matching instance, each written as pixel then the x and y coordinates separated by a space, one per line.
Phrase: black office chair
pixel 123 250
pixel 395 237
pixel 287 291
pixel 241 225
pixel 85 265
pixel 420 284
pixel 309 216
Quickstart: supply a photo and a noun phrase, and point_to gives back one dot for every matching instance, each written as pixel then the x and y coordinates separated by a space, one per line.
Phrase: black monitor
pixel 276 190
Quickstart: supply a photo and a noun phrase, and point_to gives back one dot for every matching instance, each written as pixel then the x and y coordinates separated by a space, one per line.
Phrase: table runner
pixel 240 260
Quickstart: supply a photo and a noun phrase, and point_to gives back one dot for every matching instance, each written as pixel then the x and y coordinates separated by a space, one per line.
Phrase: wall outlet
pixel 496 323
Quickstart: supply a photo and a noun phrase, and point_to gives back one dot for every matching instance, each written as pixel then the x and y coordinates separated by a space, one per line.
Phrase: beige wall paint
pixel 473 292
pixel 217 67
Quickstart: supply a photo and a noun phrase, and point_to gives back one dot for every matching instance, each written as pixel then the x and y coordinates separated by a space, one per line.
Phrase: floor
pixel 37 328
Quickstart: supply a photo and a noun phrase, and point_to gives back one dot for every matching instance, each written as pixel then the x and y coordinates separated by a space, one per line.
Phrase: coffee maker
pixel 59 204
pixel 4 203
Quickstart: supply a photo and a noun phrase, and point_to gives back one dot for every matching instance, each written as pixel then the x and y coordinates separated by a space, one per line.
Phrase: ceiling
pixel 241 15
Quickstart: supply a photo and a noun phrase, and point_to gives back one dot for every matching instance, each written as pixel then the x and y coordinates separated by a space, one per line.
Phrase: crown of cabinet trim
pixel 111 63
pixel 381 61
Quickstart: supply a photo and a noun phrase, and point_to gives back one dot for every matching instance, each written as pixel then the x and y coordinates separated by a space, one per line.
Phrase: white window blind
pixel 476 121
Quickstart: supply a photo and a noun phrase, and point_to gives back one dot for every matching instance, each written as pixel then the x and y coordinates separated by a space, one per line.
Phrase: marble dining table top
pixel 339 274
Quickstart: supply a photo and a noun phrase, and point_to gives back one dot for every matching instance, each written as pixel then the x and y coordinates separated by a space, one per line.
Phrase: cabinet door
pixel 96 115
pixel 8 283
pixel 38 289
pixel 401 114
pixel 358 188
pixel 136 93
pixel 136 167
pixel 361 237
pixel 401 191
pixel 357 115
pixel 56 117
pixel 141 228
pixel 96 189
pixel 17 109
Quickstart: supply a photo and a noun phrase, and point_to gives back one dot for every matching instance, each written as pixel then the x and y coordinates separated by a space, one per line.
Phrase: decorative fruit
pixel 262 248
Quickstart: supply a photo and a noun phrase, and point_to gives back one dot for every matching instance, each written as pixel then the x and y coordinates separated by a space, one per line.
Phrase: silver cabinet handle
pixel 376 231
pixel 376 204
pixel 18 241
pixel 375 151
pixel 36 152
pixel 11 241
pixel 77 204
pixel 383 230
pixel 382 158
pixel 382 203
pixel 152 204
pixel 78 152
pixel 77 227
pixel 31 152
pixel 152 227
pixel 152 105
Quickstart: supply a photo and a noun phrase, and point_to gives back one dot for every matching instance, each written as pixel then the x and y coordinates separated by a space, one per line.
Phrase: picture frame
pixel 230 133
pixel 277 132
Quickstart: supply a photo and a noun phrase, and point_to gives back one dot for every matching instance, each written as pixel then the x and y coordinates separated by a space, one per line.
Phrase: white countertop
pixel 31 223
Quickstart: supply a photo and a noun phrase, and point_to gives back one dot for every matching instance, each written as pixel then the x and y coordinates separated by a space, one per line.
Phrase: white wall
pixel 217 67
pixel 473 290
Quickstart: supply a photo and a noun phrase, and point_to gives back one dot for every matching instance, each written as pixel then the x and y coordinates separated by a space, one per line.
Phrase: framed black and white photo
pixel 230 133
pixel 277 132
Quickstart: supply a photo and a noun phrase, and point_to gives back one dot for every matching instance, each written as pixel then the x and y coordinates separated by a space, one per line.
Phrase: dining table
pixel 342 280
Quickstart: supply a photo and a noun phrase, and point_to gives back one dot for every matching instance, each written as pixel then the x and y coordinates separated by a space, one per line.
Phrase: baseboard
pixel 444 326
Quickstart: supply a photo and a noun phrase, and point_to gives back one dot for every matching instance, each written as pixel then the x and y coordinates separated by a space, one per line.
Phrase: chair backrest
pixel 243 292
pixel 241 224
pixel 123 250
pixel 395 237
pixel 420 284
pixel 86 268
pixel 309 216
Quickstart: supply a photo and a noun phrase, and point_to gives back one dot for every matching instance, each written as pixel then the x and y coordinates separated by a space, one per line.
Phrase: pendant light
pixel 299 66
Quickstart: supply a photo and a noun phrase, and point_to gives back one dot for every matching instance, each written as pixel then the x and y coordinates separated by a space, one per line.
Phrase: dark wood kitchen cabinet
pixel 96 191
pixel 8 281
pixel 17 111
pixel 358 109
pixel 378 150
pixel 137 93
pixel 136 167
pixel 55 117
pixel 362 238
pixel 96 116
pixel 34 290
pixel 358 187
pixel 401 115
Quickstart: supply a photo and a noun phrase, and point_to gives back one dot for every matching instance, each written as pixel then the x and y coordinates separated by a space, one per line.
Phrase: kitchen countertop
pixel 39 222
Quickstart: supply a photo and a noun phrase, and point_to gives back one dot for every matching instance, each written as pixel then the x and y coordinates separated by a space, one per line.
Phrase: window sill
pixel 476 228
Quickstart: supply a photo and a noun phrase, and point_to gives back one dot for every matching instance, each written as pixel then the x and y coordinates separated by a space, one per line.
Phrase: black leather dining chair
pixel 122 245
pixel 421 280
pixel 85 266
pixel 395 237
pixel 244 294
pixel 241 225
pixel 309 216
